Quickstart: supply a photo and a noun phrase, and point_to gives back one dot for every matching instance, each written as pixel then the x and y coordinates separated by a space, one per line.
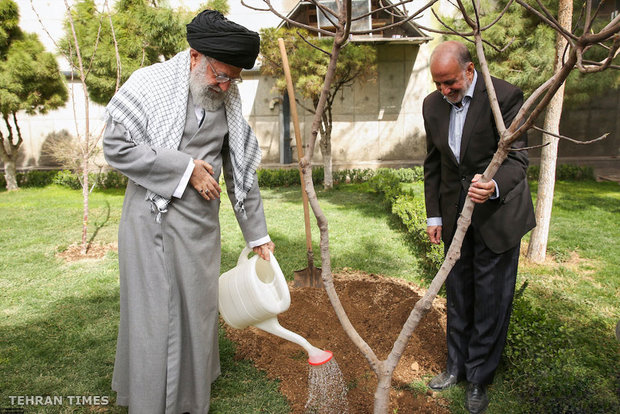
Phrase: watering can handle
pixel 243 257
pixel 280 285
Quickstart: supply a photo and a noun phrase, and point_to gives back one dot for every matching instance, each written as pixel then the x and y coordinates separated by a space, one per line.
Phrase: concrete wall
pixel 376 123
pixel 601 115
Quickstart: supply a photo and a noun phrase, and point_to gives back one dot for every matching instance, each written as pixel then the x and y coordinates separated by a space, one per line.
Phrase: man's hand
pixel 480 192
pixel 202 180
pixel 264 249
pixel 434 234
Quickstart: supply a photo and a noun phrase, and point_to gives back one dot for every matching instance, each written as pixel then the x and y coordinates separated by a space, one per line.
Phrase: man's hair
pixel 458 50
pixel 463 56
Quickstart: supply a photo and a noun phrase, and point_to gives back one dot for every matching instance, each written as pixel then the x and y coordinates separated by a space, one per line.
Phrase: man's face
pixel 451 79
pixel 215 69
pixel 207 91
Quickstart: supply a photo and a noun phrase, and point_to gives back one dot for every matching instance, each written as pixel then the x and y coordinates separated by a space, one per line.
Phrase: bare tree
pixel 537 248
pixel 578 45
pixel 86 143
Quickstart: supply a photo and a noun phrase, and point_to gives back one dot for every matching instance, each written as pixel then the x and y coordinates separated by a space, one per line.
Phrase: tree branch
pixel 592 62
pixel 116 53
pixel 602 65
pixel 316 47
pixel 20 139
pixel 92 56
pixel 574 141
pixel 389 26
pixel 45 28
pixel 328 13
pixel 529 148
pixel 311 110
pixel 256 8
pixel 346 18
pixel 287 20
pixel 570 37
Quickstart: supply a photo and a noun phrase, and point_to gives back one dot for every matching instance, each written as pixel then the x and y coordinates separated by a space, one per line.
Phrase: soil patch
pixel 73 253
pixel 377 307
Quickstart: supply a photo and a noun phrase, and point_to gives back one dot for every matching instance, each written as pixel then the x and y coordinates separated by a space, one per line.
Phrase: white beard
pixel 208 97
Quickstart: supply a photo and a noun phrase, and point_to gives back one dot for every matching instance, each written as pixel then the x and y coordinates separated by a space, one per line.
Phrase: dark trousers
pixel 479 290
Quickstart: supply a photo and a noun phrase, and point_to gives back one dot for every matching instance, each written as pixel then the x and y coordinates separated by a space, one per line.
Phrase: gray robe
pixel 167 351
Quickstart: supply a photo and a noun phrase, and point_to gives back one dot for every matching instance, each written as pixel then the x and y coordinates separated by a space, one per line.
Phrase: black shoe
pixel 477 400
pixel 443 381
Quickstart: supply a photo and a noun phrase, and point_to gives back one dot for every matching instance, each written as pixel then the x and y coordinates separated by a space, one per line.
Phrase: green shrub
pixel 284 177
pixel 67 178
pixel 410 175
pixel 542 365
pixel 353 175
pixel 278 177
pixel 32 178
pixel 411 211
pixel 103 180
pixel 564 172
pixel 111 179
pixel 290 176
pixel 387 183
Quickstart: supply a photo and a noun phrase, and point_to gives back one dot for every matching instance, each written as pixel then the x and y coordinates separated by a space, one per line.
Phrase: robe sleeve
pixel 254 227
pixel 159 170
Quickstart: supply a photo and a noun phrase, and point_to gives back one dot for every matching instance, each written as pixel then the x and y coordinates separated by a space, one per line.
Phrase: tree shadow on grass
pixel 366 255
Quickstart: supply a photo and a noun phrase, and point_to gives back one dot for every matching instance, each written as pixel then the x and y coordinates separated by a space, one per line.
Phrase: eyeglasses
pixel 221 78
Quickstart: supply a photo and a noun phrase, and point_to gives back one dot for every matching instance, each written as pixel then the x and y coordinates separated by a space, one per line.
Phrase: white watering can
pixel 254 293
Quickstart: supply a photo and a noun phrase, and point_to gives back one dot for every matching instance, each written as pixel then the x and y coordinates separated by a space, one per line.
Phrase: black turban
pixel 212 34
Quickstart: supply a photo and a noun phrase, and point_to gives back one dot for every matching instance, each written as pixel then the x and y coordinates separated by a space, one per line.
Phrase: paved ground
pixel 607 174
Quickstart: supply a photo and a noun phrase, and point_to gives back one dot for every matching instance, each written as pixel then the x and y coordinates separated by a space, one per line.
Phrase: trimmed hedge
pixel 104 180
pixel 33 178
pixel 565 172
pixel 277 177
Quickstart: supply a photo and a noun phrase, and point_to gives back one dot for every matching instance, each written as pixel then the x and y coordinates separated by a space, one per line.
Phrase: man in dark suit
pixel 461 139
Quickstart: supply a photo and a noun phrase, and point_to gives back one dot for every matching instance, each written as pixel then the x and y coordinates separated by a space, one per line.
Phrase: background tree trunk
pixel 537 249
pixel 326 152
pixel 10 174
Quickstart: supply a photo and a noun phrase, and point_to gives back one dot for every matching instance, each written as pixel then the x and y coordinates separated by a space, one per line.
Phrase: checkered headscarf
pixel 152 105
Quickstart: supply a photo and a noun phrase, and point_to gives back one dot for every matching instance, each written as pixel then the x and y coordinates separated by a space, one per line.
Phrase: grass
pixel 58 321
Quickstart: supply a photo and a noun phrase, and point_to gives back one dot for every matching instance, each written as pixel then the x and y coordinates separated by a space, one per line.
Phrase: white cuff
pixel 496 195
pixel 178 193
pixel 259 242
pixel 433 221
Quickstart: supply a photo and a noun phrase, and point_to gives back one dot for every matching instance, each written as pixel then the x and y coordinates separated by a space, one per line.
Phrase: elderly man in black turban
pixel 172 128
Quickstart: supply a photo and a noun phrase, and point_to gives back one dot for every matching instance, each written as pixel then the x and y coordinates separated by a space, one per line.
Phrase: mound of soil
pixel 73 252
pixel 377 308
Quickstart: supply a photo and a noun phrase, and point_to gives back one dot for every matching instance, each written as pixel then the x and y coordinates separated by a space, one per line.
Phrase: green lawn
pixel 58 321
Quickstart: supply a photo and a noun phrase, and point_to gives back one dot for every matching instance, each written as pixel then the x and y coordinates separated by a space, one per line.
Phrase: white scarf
pixel 152 106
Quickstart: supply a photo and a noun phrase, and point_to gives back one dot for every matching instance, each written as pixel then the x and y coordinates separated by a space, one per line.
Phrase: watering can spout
pixel 254 293
pixel 316 356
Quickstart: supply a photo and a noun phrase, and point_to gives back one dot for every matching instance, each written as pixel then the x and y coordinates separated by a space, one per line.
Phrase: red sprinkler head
pixel 319 358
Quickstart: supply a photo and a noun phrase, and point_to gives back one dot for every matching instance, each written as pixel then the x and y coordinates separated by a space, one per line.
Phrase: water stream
pixel 327 393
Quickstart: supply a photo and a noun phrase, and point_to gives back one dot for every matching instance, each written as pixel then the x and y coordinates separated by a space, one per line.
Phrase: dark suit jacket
pixel 502 221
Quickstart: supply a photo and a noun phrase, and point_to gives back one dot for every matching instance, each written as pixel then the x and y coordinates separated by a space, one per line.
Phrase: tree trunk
pixel 537 248
pixel 326 152
pixel 9 151
pixel 85 194
pixel 382 393
pixel 10 174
